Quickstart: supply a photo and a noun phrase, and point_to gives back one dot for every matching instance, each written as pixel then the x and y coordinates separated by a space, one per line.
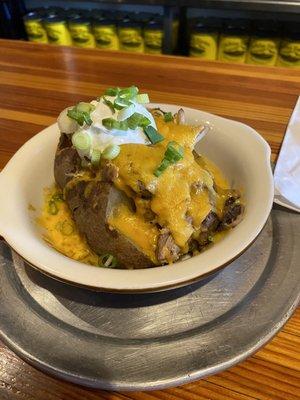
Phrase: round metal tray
pixel 151 341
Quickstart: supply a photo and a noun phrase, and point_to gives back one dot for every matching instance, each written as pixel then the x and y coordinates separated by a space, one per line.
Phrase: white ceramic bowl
pixel 241 153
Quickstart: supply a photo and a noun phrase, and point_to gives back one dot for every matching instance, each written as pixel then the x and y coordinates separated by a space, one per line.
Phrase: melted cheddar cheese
pixel 173 198
pixel 132 225
pixel 61 232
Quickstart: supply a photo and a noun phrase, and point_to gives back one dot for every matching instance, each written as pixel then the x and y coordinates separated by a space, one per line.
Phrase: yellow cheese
pixel 142 233
pixel 62 233
pixel 172 201
pixel 199 207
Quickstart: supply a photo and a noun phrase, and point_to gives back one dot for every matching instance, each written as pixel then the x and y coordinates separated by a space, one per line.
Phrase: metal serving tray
pixel 151 341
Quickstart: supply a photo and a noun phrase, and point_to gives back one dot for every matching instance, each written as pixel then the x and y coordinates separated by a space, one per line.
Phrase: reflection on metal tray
pixel 149 341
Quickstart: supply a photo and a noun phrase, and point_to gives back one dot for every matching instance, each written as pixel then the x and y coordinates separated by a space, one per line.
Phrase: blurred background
pixel 260 32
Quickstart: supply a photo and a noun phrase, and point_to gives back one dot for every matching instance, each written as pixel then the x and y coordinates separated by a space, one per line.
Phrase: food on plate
pixel 131 186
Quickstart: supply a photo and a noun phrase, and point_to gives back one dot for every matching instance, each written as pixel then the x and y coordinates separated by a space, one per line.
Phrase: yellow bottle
pixel 263 50
pixel 234 41
pixel 204 40
pixel 153 36
pixel 81 33
pixel 57 31
pixel 263 47
pixel 105 33
pixel 130 36
pixel 289 50
pixel 34 28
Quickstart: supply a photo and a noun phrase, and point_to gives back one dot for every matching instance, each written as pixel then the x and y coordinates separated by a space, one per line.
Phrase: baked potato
pixel 144 216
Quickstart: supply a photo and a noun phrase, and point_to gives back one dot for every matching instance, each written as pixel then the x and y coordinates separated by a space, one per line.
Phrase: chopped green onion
pixel 95 157
pixel 109 104
pixel 81 141
pixel 126 112
pixel 108 261
pixel 173 154
pixel 67 228
pixel 87 119
pixel 142 98
pixel 153 135
pixel 136 120
pixel 110 123
pixel 81 113
pixel 168 117
pixel 120 103
pixel 52 209
pixel 57 197
pixel 112 91
pixel 111 152
pixel 85 107
pixel 129 93
pixel 162 167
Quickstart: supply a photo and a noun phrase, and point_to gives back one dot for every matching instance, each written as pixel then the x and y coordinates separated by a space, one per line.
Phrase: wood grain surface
pixel 38 81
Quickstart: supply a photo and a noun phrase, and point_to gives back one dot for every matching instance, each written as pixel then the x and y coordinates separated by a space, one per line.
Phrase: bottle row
pixel 137 32
pixel 260 42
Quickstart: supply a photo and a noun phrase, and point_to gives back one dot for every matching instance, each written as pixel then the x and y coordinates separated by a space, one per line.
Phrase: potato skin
pixel 66 162
pixel 91 203
pixel 90 214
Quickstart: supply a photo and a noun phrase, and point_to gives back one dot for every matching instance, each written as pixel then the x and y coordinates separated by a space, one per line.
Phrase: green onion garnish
pixel 95 157
pixel 81 113
pixel 142 98
pixel 52 208
pixel 67 228
pixel 112 91
pixel 162 167
pixel 81 141
pixel 136 120
pixel 109 104
pixel 108 261
pixel 111 152
pixel 85 107
pixel 57 197
pixel 173 154
pixel 129 93
pixel 153 135
pixel 110 123
pixel 168 117
pixel 120 103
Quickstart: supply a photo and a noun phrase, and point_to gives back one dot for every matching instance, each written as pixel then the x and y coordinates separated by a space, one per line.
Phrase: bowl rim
pixel 158 285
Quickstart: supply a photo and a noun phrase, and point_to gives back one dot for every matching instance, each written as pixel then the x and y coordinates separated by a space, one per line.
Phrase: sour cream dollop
pixel 102 137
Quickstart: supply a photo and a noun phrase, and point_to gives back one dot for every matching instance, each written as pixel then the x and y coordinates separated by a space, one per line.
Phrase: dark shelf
pixel 259 5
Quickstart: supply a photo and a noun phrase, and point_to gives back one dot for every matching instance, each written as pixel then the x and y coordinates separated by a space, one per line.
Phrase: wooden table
pixel 38 81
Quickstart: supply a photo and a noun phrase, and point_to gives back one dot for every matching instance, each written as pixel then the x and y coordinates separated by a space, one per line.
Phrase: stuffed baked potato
pixel 135 187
